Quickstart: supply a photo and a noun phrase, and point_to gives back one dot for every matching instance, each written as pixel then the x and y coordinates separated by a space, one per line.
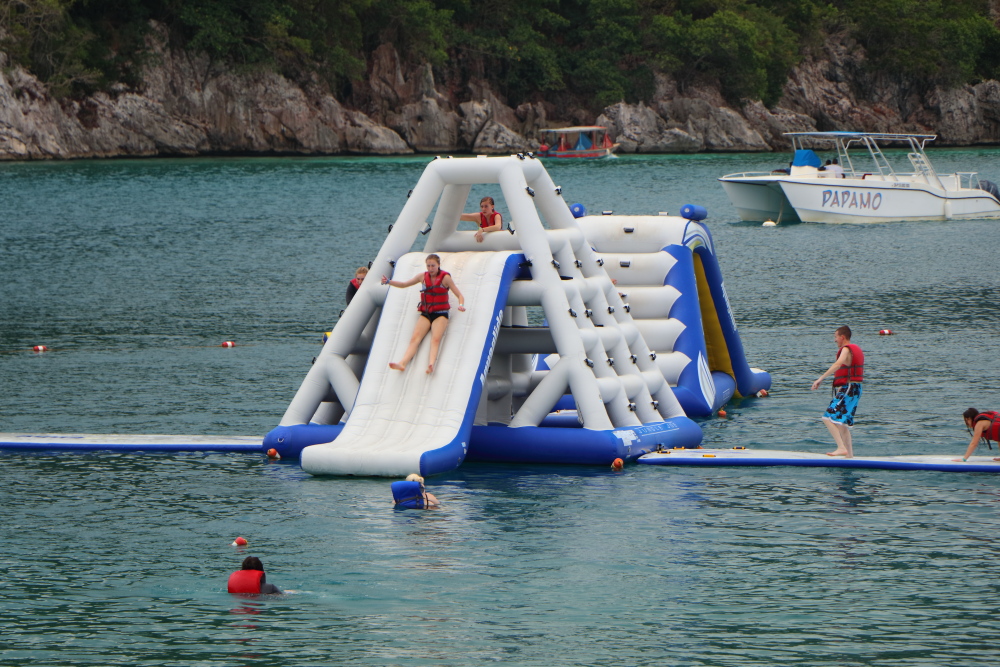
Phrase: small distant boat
pixel 587 142
pixel 864 187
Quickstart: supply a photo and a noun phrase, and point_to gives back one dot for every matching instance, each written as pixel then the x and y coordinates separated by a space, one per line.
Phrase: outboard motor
pixel 991 187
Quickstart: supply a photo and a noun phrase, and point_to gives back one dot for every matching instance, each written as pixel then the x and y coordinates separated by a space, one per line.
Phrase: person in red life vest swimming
pixel 250 580
pixel 433 308
pixel 983 426
pixel 355 284
pixel 848 372
pixel 489 220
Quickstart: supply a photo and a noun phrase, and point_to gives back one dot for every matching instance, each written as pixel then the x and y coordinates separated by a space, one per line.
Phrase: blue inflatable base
pixel 763 457
pixel 88 442
pixel 560 439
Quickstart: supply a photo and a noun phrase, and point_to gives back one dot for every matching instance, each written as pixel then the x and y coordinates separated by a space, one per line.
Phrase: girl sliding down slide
pixel 433 309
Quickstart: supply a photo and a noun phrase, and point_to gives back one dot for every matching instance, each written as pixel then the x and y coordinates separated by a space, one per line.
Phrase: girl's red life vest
pixel 434 295
pixel 853 372
pixel 993 431
pixel 487 220
pixel 357 285
pixel 246 582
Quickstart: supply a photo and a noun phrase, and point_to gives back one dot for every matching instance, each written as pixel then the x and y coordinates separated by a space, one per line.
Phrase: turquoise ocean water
pixel 133 273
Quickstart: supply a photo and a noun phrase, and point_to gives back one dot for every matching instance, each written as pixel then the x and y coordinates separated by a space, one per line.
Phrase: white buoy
pixel 769 223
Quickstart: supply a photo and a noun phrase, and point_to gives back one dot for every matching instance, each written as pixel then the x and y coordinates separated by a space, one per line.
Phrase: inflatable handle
pixel 578 210
pixel 693 212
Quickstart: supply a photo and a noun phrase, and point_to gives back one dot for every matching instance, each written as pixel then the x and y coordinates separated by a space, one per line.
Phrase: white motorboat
pixel 864 188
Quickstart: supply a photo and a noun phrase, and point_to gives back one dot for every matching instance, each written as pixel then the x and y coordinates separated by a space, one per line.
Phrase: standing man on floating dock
pixel 848 372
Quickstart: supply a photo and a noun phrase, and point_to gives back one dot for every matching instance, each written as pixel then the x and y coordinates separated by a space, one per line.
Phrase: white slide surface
pixel 400 416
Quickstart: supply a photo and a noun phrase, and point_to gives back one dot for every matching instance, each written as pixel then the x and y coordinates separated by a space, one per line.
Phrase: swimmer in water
pixel 433 309
pixel 250 579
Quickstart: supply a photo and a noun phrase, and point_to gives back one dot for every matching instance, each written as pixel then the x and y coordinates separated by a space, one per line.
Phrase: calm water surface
pixel 133 273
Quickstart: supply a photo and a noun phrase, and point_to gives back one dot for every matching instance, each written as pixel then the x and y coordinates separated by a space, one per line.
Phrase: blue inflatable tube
pixel 541 444
pixel 289 441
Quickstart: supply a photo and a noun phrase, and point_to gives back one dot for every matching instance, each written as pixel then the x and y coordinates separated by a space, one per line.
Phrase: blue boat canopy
pixel 583 143
pixel 806 158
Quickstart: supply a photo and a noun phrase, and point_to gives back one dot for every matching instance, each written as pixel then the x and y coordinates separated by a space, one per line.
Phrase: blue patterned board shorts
pixel 844 404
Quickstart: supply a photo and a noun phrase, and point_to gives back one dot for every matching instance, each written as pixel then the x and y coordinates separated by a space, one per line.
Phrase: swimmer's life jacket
pixel 408 494
pixel 246 582
pixel 355 283
pixel 855 371
pixel 486 221
pixel 433 295
pixel 993 432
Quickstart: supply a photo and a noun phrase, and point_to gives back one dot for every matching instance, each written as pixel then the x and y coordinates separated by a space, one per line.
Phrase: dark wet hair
pixel 970 414
pixel 489 199
pixel 845 331
pixel 252 563
pixel 434 257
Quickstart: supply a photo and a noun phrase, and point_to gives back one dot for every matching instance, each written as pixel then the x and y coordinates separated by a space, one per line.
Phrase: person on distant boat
pixel 355 284
pixel 848 372
pixel 489 219
pixel 250 579
pixel 982 426
pixel 433 309
pixel 826 171
pixel 835 168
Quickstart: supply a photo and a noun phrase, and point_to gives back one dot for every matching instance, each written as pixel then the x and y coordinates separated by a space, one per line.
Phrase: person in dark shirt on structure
pixel 355 284
pixel 250 580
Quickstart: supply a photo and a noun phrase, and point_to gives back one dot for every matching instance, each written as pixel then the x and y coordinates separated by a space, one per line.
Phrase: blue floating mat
pixel 82 442
pixel 771 457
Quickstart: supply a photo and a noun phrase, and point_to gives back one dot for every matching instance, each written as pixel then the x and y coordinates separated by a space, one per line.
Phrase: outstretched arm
pixel 977 433
pixel 403 283
pixel 450 284
pixel 843 360
pixel 470 217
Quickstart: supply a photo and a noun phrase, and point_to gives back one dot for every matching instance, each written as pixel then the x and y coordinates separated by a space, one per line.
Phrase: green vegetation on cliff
pixel 590 52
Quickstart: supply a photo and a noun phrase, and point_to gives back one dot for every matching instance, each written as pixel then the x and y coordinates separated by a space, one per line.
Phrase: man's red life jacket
pixel 434 295
pixel 354 281
pixel 853 372
pixel 993 432
pixel 246 582
pixel 487 220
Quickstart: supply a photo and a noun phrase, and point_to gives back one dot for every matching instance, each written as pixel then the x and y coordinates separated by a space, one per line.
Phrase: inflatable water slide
pixel 584 340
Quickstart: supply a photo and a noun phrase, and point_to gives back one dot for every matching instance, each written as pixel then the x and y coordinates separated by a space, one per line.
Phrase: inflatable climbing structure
pixel 584 340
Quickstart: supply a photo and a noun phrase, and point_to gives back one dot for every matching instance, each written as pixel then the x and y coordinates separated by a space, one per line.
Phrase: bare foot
pixel 430 369
pixel 396 367
pixel 836 453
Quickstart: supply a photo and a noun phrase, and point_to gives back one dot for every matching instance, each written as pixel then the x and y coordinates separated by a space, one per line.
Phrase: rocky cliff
pixel 188 105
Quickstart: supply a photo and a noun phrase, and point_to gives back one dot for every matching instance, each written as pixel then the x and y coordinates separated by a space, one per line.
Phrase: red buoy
pixel 617 464
pixel 40 348
pixel 273 453
pixel 762 393
pixel 239 542
pixel 885 332
pixel 228 343
pixel 722 413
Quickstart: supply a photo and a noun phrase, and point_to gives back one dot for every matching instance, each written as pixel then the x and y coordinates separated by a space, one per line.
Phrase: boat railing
pixel 967 180
pixel 756 174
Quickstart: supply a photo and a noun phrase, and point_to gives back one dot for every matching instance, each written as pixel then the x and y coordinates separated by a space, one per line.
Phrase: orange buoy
pixel 885 332
pixel 763 393
pixel 273 453
pixel 722 413
pixel 228 343
pixel 617 464
pixel 40 348
pixel 239 542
